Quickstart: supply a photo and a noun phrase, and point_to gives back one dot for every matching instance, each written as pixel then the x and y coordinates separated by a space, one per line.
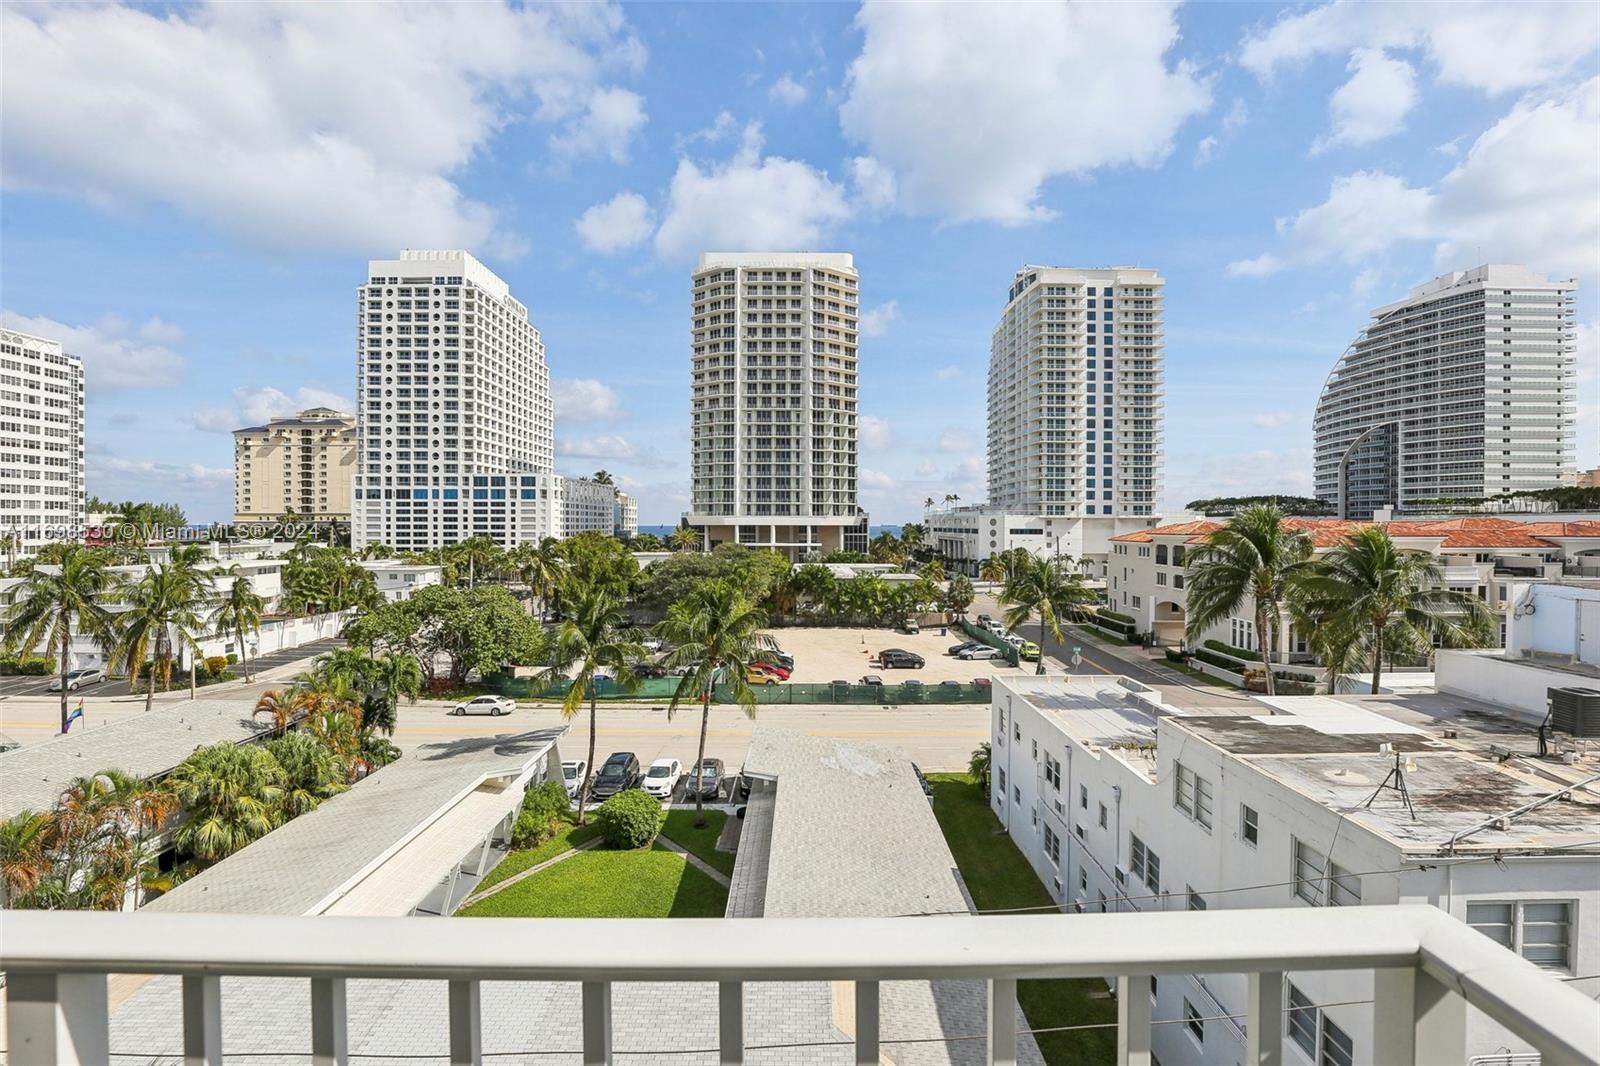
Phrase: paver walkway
pixel 529 872
pixel 694 860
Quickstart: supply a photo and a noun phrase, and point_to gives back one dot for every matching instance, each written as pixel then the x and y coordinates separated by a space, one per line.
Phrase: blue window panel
pixel 480 494
pixel 419 494
pixel 497 494
pixel 497 481
pixel 451 494
pixel 530 494
pixel 483 481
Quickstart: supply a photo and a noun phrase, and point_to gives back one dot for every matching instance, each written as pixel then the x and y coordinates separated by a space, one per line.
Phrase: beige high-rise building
pixel 774 401
pixel 301 465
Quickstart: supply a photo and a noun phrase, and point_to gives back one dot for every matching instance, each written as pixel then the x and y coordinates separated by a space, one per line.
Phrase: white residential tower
pixel 41 444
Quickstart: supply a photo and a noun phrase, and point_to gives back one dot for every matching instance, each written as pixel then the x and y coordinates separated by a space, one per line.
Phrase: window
pixel 1102 816
pixel 1302 1021
pixel 1249 825
pixel 1197 902
pixel 1539 931
pixel 1313 872
pixel 1052 771
pixel 1191 794
pixel 1016 793
pixel 1083 796
pixel 1083 879
pixel 1000 778
pixel 1052 844
pixel 1144 863
pixel 1192 1022
pixel 1314 1033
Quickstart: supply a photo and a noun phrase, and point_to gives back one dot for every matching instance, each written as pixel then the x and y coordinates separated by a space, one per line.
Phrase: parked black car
pixel 957 649
pixel 705 781
pixel 620 773
pixel 650 670
pixel 900 659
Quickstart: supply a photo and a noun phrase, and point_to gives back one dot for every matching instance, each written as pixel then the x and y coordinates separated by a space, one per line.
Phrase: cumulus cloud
pixel 115 353
pixel 874 182
pixel 874 433
pixel 624 221
pixel 1487 46
pixel 876 479
pixel 607 446
pixel 255 405
pixel 1373 104
pixel 875 323
pixel 788 92
pixel 305 126
pixel 752 201
pixel 1274 419
pixel 1524 192
pixel 585 400
pixel 1207 147
pixel 973 107
pixel 955 441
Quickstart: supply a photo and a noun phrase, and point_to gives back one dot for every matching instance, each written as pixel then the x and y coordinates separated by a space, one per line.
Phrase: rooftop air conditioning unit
pixel 1575 711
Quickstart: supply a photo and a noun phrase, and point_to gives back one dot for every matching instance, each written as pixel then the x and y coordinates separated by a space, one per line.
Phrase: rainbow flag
pixel 77 713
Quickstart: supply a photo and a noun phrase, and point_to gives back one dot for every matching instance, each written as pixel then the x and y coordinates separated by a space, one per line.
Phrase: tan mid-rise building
pixel 301 465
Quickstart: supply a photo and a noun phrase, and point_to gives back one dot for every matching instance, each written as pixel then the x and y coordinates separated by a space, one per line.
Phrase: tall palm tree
pixel 281 706
pixel 163 613
pixel 311 772
pixel 683 539
pixel 993 569
pixel 1047 587
pixel 232 794
pixel 593 638
pixel 1392 599
pixel 25 859
pixel 53 601
pixel 1254 556
pixel 959 594
pixel 717 634
pixel 540 567
pixel 239 612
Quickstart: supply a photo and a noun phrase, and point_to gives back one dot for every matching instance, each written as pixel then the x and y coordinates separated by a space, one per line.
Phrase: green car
pixel 1029 651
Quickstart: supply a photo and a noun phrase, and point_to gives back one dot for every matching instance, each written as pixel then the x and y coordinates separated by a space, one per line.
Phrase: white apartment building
pixel 1485 557
pixel 966 536
pixel 301 465
pixel 773 401
pixel 456 421
pixel 1122 804
pixel 587 505
pixel 398 580
pixel 1075 393
pixel 625 518
pixel 41 444
pixel 1466 388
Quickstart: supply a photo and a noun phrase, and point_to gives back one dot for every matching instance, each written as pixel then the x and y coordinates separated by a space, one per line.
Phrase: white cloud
pixel 585 400
pixel 1260 266
pixel 1488 46
pixel 255 405
pixel 877 479
pixel 1274 419
pixel 788 92
pixel 1232 122
pixel 624 221
pixel 302 126
pixel 606 127
pixel 1373 104
pixel 752 201
pixel 875 323
pixel 874 182
pixel 1524 193
pixel 973 107
pixel 1205 150
pixel 874 433
pixel 955 441
pixel 1365 283
pixel 115 354
pixel 947 373
pixel 607 446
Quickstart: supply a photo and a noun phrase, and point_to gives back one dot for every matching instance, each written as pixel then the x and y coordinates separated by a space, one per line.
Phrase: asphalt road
pixel 113 687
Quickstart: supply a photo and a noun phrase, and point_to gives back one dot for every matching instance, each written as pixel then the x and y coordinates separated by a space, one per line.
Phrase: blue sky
pixel 192 192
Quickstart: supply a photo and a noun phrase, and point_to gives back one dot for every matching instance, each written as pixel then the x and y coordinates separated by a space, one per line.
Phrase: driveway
pixel 111 687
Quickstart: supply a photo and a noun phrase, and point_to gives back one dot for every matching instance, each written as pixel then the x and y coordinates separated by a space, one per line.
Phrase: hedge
pixel 29 665
pixel 1125 619
pixel 630 820
pixel 1237 653
pixel 540 816
pixel 1287 684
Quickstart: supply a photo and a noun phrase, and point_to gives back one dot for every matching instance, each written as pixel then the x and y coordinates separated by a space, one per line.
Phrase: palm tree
pixel 388 677
pixel 480 556
pixel 1254 556
pixel 683 539
pixel 24 856
pixel 282 707
pixel 993 569
pixel 594 637
pixel 979 765
pixel 163 607
pixel 717 633
pixel 375 550
pixel 1391 599
pixel 310 769
pixel 239 612
pixel 53 601
pixel 933 570
pixel 1048 587
pixel 232 794
pixel 540 568
pixel 959 594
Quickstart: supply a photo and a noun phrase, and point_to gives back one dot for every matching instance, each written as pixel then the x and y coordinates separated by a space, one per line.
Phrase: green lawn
pixel 702 843
pixel 569 836
pixel 999 877
pixel 610 884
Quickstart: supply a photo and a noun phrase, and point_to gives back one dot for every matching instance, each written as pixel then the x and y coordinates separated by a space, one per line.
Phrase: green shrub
pixel 216 665
pixel 540 816
pixel 1237 653
pixel 8 665
pixel 1176 656
pixel 631 820
pixel 232 658
pixel 36 665
pixel 1113 616
pixel 1211 657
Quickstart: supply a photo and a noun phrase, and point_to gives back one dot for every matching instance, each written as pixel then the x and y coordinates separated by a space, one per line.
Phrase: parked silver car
pixel 76 679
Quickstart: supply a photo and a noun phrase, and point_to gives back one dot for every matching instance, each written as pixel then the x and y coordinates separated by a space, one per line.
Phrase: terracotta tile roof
pixel 1195 530
pixel 1484 531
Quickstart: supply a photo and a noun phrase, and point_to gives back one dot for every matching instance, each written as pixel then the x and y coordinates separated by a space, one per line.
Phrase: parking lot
pixel 117 686
pixel 824 655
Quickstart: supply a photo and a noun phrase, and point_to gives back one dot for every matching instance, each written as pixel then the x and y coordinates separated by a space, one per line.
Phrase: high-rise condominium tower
pixel 1075 371
pixel 456 424
pixel 300 465
pixel 774 401
pixel 1464 389
pixel 41 444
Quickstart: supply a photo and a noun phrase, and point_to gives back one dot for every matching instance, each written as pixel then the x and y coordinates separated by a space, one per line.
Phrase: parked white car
pixel 662 777
pixel 491 705
pixel 984 652
pixel 76 679
pixel 574 774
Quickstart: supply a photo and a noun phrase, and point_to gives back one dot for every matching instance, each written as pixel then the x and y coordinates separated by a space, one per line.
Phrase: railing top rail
pixel 771 949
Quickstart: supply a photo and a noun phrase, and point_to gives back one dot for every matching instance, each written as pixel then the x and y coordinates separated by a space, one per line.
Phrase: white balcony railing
pixel 1428 967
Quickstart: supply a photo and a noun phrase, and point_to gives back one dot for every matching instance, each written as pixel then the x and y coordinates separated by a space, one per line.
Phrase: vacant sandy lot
pixel 824 655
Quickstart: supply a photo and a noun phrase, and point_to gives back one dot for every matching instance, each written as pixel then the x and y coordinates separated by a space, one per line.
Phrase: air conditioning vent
pixel 1575 711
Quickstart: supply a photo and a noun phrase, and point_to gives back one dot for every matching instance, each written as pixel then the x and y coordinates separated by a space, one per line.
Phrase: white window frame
pixel 1516 926
pixel 1194 1022
pixel 1249 825
pixel 1309 1024
pixel 1191 794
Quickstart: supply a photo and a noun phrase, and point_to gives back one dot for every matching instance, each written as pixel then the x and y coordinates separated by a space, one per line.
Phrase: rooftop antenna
pixel 1395 780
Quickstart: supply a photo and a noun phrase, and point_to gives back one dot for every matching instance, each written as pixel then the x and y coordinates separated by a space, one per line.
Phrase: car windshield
pixel 569 772
pixel 660 771
pixel 611 769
